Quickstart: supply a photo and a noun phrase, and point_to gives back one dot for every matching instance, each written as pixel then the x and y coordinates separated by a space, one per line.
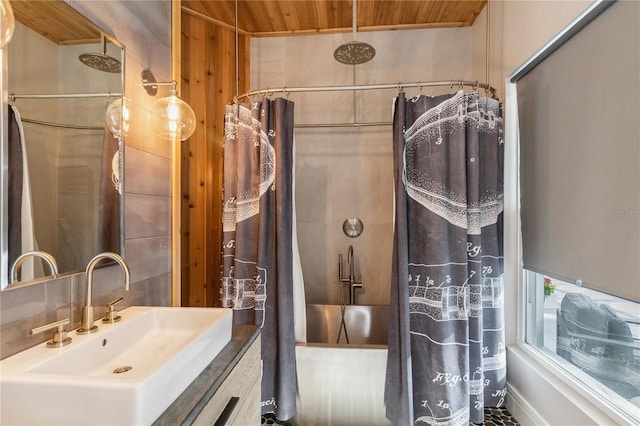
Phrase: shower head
pixel 101 61
pixel 354 52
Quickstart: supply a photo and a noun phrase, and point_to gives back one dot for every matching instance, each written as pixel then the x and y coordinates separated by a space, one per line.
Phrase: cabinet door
pixel 237 401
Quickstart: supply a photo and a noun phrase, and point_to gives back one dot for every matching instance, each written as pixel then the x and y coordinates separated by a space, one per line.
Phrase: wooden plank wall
pixel 208 85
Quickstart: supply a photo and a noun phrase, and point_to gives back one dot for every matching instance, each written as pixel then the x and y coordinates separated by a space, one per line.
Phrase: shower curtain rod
pixel 354 124
pixel 64 126
pixel 13 96
pixel 399 86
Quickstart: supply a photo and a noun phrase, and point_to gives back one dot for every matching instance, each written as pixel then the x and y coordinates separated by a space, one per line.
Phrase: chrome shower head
pixel 354 53
pixel 101 61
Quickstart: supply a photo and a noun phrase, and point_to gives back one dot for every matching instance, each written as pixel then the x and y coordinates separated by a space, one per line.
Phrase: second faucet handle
pixel 60 338
pixel 112 315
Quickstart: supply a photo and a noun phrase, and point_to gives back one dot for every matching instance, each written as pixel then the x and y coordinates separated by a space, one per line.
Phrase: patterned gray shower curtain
pixel 446 333
pixel 257 220
pixel 15 187
pixel 108 238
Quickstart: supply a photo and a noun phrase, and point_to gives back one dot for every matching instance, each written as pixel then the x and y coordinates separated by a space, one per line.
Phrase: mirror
pixel 61 165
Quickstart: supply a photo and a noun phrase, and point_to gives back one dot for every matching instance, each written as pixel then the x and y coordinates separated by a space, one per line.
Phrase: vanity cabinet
pixel 237 400
pixel 227 392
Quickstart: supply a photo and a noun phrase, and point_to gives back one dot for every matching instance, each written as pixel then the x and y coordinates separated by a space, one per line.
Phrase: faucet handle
pixel 112 315
pixel 60 338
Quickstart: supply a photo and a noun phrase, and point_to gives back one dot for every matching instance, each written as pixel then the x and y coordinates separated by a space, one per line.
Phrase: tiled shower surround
pixel 346 172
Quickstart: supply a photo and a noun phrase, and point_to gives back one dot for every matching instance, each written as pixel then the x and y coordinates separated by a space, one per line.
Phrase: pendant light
pixel 175 118
pixel 7 23
pixel 117 117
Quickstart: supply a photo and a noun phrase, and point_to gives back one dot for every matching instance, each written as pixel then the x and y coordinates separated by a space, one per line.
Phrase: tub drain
pixel 122 369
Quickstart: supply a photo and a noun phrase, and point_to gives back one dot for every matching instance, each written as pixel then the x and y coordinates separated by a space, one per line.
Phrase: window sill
pixel 546 392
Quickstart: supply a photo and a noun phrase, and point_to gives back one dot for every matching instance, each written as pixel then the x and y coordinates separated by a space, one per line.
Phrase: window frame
pixel 527 359
pixel 539 362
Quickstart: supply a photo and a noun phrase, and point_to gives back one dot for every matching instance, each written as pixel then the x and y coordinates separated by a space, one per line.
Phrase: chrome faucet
pixel 87 312
pixel 353 284
pixel 351 279
pixel 53 266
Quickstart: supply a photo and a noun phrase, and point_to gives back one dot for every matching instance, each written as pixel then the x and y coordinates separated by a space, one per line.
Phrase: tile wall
pixel 348 172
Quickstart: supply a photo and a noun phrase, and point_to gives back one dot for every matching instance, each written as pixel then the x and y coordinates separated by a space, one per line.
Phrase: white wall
pixel 348 172
pixel 538 392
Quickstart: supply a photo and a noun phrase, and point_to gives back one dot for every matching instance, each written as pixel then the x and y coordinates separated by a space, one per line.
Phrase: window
pixel 579 143
pixel 595 336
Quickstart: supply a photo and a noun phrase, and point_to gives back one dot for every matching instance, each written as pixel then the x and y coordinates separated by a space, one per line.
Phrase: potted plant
pixel 549 287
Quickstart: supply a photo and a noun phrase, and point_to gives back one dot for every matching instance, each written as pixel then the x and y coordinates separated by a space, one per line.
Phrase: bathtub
pixel 366 325
pixel 339 383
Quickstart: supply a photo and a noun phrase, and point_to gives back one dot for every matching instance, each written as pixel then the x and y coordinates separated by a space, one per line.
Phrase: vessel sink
pixel 125 373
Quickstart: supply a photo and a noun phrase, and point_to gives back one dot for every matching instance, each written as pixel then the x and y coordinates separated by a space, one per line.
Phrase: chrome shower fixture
pixel 352 227
pixel 354 52
pixel 101 61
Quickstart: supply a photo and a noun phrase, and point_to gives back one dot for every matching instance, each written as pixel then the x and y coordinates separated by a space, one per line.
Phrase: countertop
pixel 188 405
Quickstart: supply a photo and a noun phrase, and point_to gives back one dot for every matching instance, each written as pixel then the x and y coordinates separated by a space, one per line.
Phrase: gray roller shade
pixel 579 125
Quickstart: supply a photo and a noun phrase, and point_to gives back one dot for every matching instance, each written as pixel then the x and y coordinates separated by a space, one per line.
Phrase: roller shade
pixel 579 126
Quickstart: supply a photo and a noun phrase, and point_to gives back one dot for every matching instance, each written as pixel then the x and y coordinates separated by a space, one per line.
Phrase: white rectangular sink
pixel 125 373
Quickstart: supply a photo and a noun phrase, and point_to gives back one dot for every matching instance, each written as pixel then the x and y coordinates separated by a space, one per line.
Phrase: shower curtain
pixel 108 238
pixel 258 239
pixel 20 213
pixel 15 185
pixel 446 333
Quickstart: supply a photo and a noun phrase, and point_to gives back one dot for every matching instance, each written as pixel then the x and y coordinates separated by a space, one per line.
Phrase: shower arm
pixel 354 20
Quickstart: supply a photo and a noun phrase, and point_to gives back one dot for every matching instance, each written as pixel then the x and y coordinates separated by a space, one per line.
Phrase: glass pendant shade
pixel 7 23
pixel 117 118
pixel 175 118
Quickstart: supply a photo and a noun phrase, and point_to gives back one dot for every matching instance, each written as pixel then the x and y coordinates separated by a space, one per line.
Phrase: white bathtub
pixel 343 384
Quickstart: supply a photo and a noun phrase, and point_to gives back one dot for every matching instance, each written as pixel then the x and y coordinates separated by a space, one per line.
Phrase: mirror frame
pixel 4 190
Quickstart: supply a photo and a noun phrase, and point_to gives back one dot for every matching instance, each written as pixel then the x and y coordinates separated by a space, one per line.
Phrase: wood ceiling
pixel 56 20
pixel 293 17
pixel 59 22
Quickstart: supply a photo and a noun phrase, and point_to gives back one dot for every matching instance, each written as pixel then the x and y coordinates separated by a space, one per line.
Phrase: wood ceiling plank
pixel 330 14
pixel 56 20
pixel 284 15
pixel 281 17
pixel 253 16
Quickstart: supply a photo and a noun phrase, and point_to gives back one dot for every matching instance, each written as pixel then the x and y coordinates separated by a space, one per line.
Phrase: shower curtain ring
pixel 475 86
pixel 419 86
